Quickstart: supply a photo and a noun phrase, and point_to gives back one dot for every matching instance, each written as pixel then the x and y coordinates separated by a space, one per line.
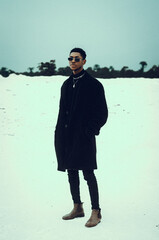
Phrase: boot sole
pixel 78 216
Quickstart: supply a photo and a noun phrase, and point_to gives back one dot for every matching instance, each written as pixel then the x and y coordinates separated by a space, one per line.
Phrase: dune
pixel 34 195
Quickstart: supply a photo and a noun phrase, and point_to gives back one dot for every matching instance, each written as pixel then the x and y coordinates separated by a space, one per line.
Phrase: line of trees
pixel 49 69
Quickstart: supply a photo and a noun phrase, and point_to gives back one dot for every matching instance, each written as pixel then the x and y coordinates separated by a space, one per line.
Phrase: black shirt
pixel 73 88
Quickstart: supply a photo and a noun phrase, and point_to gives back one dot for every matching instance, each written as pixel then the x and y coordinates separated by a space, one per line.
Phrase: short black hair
pixel 80 50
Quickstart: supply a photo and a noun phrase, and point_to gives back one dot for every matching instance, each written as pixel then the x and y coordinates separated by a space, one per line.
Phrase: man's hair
pixel 80 50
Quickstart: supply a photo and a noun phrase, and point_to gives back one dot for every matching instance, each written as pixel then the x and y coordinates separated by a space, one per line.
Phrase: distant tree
pixel 91 71
pixel 64 71
pixel 96 68
pixel 103 72
pixel 156 71
pixel 47 68
pixel 154 67
pixel 111 68
pixel 153 72
pixel 143 65
pixel 129 73
pixel 123 71
pixel 31 71
pixel 113 73
pixel 11 71
pixel 4 72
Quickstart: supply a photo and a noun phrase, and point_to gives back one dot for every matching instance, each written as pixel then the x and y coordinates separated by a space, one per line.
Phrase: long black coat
pixel 83 111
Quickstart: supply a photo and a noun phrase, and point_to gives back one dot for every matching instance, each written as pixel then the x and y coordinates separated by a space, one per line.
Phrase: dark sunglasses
pixel 76 59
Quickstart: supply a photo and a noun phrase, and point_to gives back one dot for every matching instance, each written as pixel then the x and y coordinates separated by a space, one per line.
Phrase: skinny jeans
pixel 74 181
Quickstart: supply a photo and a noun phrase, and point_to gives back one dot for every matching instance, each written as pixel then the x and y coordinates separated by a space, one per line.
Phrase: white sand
pixel 34 195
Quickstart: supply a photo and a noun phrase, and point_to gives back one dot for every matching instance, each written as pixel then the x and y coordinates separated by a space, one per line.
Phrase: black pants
pixel 73 177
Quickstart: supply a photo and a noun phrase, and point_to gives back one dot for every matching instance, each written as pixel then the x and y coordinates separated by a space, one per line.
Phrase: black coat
pixel 83 111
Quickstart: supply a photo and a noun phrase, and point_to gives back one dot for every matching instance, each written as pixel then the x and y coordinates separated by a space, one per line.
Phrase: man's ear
pixel 84 61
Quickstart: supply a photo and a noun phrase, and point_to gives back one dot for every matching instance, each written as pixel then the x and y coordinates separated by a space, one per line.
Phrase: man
pixel 83 111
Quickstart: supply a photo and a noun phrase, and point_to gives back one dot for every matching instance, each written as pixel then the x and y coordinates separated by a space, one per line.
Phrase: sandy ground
pixel 34 195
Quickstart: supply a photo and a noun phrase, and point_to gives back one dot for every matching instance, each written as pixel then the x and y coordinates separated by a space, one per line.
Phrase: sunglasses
pixel 76 59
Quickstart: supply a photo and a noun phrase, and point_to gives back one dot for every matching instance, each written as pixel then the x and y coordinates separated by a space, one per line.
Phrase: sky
pixel 112 32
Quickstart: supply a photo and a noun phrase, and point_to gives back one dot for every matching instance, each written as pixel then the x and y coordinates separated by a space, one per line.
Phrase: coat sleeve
pixel 98 110
pixel 61 107
pixel 59 141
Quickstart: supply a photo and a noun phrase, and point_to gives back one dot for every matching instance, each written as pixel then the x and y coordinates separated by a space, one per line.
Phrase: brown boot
pixel 94 219
pixel 75 213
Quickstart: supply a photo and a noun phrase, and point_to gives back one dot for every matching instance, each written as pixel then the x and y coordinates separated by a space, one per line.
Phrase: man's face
pixel 76 66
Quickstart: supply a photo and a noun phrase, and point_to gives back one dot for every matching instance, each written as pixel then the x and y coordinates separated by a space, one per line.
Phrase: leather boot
pixel 94 219
pixel 75 213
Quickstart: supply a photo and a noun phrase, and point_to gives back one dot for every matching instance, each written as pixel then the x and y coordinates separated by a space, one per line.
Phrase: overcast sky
pixel 113 32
